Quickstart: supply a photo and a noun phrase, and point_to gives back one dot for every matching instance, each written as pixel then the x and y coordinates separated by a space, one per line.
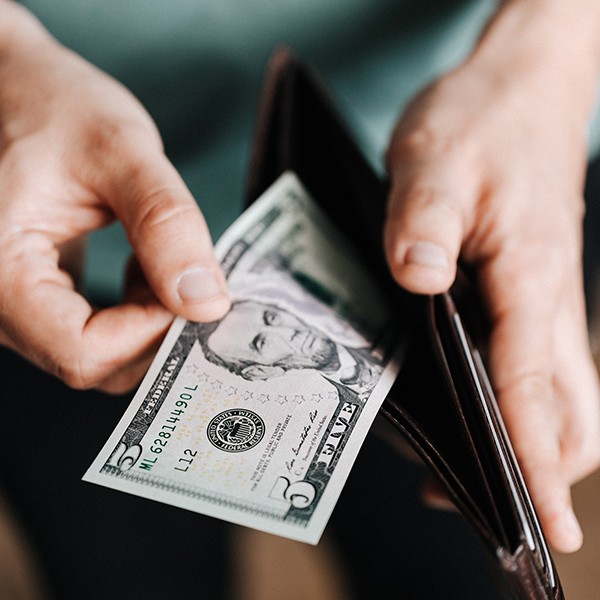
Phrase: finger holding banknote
pixel 477 170
pixel 79 151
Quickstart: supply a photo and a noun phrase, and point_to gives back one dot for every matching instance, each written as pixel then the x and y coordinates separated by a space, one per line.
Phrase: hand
pixel 489 163
pixel 76 152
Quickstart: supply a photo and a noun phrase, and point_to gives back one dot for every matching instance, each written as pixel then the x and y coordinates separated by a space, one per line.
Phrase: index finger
pixel 164 225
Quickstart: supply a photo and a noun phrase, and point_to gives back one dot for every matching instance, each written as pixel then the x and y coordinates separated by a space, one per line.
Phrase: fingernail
pixel 201 283
pixel 426 254
pixel 572 527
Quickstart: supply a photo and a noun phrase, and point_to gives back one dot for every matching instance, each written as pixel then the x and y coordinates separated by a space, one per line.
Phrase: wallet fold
pixel 442 401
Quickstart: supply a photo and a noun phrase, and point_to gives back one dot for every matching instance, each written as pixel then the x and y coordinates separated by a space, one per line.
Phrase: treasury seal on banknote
pixel 235 430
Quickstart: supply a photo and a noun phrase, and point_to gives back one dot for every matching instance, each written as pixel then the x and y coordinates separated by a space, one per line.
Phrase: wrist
pixel 19 29
pixel 569 27
pixel 28 55
pixel 549 43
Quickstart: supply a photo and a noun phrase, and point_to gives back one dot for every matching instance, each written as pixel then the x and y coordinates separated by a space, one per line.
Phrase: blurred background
pixel 63 539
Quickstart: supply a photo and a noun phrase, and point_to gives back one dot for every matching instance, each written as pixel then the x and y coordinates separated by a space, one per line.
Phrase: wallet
pixel 442 401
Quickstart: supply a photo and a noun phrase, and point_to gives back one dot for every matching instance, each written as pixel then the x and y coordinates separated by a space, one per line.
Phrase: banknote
pixel 258 418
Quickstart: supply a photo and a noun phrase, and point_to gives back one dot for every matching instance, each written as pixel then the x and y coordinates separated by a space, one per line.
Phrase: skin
pixel 77 151
pixel 488 162
pixel 502 184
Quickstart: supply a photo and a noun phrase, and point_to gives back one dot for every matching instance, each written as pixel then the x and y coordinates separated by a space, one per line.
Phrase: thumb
pixel 424 227
pixel 170 238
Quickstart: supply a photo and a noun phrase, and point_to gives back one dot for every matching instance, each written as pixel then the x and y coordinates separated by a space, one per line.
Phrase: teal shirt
pixel 197 67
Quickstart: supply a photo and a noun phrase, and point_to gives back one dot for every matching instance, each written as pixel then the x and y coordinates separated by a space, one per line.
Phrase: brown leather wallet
pixel 442 401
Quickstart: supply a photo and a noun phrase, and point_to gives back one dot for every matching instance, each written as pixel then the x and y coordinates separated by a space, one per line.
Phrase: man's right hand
pixel 77 151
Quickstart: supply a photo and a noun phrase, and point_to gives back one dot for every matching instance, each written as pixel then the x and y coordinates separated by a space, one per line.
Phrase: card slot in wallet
pixel 484 419
pixel 418 406
pixel 442 402
pixel 463 392
pixel 535 538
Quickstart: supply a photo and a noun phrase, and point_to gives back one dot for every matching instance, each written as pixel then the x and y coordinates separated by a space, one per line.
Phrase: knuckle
pixel 592 458
pixel 114 140
pixel 529 393
pixel 118 384
pixel 417 140
pixel 422 204
pixel 526 267
pixel 159 209
pixel 425 138
pixel 582 454
pixel 72 377
pixel 563 221
pixel 79 373
pixel 429 198
pixel 589 458
pixel 536 387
